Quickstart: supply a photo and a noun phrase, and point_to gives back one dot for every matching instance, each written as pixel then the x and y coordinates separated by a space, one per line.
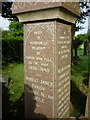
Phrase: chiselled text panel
pixel 64 59
pixel 47 48
pixel 39 63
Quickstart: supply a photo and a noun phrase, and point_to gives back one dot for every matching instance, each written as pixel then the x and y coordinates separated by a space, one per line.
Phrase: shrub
pixel 11 50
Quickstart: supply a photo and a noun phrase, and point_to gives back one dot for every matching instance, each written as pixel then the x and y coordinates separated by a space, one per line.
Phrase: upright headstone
pixel 47 56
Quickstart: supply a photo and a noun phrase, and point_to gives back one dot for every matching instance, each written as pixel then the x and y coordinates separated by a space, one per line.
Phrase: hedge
pixel 12 50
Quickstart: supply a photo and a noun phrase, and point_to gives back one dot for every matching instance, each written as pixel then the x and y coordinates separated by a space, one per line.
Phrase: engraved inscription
pixel 47 66
pixel 63 43
pixel 39 58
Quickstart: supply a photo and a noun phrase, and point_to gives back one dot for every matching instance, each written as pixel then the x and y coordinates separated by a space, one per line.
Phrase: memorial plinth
pixel 47 56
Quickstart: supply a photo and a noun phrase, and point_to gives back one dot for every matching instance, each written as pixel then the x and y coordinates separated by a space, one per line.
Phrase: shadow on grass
pixel 6 103
pixel 86 80
pixel 11 109
pixel 78 100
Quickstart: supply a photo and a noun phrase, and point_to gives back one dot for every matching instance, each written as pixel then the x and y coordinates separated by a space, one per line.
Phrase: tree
pixel 85 11
pixel 7 11
pixel 15 30
pixel 88 36
pixel 86 44
pixel 78 40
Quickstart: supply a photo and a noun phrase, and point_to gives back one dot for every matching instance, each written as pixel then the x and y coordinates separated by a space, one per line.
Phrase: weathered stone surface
pixel 31 11
pixel 21 7
pixel 47 67
pixel 47 14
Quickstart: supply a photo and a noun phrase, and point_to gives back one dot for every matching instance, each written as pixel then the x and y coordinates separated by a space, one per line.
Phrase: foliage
pixel 4 33
pixel 85 11
pixel 78 40
pixel 88 36
pixel 11 50
pixel 7 11
pixel 84 8
pixel 15 30
pixel 12 41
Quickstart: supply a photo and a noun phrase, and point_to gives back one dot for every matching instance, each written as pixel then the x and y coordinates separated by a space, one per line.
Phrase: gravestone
pixel 5 80
pixel 47 56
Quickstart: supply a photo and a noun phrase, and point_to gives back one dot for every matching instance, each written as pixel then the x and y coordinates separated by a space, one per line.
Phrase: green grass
pixel 16 74
pixel 13 94
pixel 79 85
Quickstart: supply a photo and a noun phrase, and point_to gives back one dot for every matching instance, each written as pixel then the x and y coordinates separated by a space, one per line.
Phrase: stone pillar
pixel 47 56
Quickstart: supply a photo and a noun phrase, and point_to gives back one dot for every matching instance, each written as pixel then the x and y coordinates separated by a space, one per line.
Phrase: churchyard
pixel 45 70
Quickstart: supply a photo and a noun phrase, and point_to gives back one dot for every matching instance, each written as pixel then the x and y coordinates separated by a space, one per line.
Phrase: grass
pixel 79 85
pixel 13 94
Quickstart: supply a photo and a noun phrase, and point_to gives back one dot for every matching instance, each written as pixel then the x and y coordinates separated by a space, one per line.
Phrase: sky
pixel 4 23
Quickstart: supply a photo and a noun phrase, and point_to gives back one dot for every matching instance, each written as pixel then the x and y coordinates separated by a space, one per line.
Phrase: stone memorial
pixel 47 56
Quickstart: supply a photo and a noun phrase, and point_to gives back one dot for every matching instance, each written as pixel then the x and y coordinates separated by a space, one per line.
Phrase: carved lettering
pixel 39 99
pixel 38 87
pixel 38 43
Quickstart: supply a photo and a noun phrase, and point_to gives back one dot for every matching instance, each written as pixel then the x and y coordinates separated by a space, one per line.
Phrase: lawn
pixel 13 94
pixel 79 85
